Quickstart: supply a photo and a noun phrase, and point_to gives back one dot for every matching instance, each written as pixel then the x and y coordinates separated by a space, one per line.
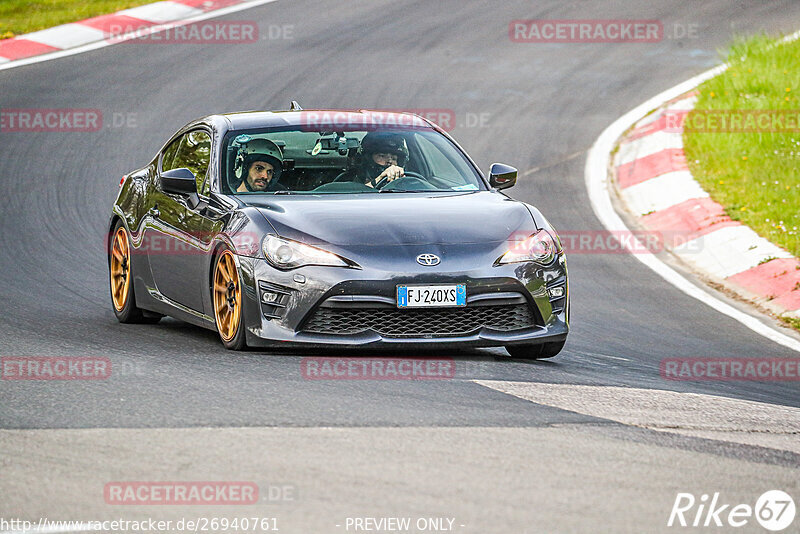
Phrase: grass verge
pixel 753 174
pixel 791 321
pixel 24 16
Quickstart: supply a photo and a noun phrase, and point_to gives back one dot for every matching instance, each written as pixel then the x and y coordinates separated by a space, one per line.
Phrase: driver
pixel 382 156
pixel 258 165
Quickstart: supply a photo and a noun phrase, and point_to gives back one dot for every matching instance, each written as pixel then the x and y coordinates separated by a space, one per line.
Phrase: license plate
pixel 431 296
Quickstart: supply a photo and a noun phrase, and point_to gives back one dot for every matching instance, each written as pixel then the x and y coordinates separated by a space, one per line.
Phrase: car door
pixel 178 235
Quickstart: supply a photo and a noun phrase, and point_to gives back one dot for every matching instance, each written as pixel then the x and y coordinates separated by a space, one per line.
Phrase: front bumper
pixel 297 295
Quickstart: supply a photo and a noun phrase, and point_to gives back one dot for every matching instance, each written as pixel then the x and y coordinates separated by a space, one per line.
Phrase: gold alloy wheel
pixel 120 269
pixel 227 296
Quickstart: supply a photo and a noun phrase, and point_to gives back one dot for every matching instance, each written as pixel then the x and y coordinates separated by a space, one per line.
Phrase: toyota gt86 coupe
pixel 330 228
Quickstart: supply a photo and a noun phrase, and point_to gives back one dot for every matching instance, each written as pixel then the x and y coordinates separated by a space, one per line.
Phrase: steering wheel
pixel 407 174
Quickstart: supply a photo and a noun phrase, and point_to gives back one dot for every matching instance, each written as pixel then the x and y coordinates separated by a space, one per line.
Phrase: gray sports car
pixel 335 228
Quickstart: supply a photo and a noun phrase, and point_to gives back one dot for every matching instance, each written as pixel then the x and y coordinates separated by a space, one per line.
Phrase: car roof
pixel 326 118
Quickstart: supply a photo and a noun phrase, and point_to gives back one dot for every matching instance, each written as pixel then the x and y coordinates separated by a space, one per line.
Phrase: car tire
pixel 226 297
pixel 535 352
pixel 123 298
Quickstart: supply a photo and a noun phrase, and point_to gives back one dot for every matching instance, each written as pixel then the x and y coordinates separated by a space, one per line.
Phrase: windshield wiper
pixel 402 190
pixel 283 192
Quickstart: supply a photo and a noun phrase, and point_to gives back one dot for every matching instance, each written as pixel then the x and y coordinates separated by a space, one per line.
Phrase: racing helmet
pixel 385 143
pixel 258 150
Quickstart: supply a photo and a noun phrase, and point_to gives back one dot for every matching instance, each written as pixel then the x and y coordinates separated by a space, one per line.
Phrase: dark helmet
pixel 259 150
pixel 385 143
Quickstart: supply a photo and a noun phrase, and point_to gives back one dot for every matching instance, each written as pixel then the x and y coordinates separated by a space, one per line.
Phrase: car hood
pixel 396 218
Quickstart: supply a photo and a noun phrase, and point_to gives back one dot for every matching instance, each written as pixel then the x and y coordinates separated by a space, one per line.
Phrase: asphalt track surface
pixel 543 105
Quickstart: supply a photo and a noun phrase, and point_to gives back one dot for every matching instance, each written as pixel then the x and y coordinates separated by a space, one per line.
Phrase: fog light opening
pixel 268 297
pixel 556 292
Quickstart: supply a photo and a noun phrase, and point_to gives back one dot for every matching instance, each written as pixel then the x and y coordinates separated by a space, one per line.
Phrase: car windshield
pixel 296 161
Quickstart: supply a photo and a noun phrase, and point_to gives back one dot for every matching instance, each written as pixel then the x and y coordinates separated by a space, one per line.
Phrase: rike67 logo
pixel 774 510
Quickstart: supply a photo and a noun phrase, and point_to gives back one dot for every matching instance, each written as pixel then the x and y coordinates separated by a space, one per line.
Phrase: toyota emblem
pixel 428 260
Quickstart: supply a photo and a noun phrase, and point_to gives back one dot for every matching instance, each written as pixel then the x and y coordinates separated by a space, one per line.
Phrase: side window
pixel 193 152
pixel 169 155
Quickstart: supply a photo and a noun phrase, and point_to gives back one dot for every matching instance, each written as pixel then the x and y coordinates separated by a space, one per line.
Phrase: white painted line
pixel 691 414
pixel 662 192
pixel 3 60
pixel 728 251
pixel 66 35
pixel 648 145
pixel 132 35
pixel 161 12
pixel 597 185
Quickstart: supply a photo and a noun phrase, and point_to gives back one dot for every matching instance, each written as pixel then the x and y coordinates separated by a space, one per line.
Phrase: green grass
pixel 24 16
pixel 753 175
pixel 791 321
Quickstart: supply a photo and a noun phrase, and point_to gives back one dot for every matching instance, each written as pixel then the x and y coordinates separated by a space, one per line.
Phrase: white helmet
pixel 258 150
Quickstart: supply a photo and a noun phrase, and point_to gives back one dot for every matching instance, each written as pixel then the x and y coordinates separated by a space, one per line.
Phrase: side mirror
pixel 502 176
pixel 178 181
pixel 181 182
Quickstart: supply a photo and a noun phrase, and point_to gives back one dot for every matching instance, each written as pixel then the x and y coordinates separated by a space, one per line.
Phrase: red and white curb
pixel 656 186
pixel 601 185
pixel 101 31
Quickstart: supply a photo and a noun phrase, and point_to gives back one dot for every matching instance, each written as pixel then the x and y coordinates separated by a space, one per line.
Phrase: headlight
pixel 540 248
pixel 287 254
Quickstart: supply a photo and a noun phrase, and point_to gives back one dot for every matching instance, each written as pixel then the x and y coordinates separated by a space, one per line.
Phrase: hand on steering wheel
pixel 392 172
pixel 406 174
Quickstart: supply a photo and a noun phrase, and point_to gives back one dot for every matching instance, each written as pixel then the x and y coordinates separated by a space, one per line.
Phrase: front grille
pixel 423 322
